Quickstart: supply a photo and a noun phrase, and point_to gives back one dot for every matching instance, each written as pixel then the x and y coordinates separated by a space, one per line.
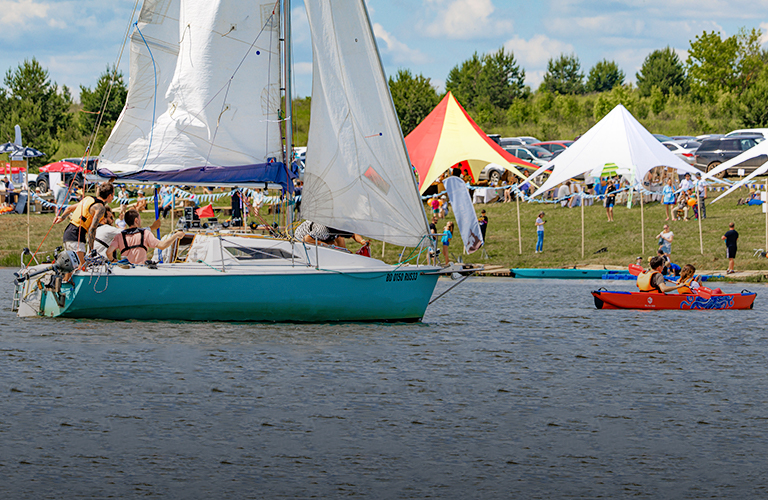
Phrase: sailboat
pixel 204 108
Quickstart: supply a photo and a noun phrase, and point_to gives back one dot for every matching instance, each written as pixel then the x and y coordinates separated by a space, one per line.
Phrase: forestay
pixel 204 95
pixel 357 176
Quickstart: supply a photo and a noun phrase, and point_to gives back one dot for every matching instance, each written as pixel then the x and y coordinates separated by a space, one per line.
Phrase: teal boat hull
pixel 567 274
pixel 401 295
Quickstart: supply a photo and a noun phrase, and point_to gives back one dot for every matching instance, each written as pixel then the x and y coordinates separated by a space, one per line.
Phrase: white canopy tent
pixel 760 149
pixel 618 138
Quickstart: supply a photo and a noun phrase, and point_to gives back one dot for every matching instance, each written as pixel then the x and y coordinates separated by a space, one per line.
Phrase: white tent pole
pixel 698 206
pixel 519 232
pixel 582 223
pixel 642 224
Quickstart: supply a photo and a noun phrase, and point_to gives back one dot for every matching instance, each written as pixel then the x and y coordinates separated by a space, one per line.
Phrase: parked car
pixel 526 139
pixel 91 163
pixel 683 138
pixel 505 142
pixel 533 154
pixel 663 138
pixel 686 150
pixel 554 146
pixel 492 173
pixel 700 138
pixel 713 152
pixel 762 132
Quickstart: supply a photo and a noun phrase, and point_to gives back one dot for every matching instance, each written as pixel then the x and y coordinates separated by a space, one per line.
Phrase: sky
pixel 75 40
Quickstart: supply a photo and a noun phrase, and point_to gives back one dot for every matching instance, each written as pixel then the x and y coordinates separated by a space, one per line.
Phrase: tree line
pixel 722 85
pixel 49 118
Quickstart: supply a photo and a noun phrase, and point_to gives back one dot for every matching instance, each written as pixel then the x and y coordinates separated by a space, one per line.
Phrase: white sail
pixel 357 177
pixel 204 94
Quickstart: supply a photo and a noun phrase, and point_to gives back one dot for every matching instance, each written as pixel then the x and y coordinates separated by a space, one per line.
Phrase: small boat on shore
pixel 566 274
pixel 605 299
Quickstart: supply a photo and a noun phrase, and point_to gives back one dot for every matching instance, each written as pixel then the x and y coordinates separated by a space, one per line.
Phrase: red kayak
pixel 642 300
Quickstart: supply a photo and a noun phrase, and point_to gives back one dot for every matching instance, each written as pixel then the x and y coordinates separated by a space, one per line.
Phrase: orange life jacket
pixel 687 287
pixel 644 282
pixel 82 216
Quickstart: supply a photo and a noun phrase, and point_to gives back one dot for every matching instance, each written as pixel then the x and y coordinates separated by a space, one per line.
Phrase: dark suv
pixel 713 152
pixel 91 162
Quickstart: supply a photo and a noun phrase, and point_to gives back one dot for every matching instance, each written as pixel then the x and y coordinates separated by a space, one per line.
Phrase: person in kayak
pixel 653 281
pixel 688 283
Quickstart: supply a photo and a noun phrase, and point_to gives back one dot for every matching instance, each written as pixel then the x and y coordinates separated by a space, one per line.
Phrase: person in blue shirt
pixel 446 240
pixel 668 198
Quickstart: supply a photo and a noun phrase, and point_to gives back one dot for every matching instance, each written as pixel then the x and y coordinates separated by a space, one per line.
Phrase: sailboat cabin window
pixel 244 253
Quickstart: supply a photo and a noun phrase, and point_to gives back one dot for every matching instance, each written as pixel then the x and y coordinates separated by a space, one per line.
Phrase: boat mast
pixel 288 122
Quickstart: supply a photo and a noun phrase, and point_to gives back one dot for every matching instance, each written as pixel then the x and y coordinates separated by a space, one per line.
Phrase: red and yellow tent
pixel 448 136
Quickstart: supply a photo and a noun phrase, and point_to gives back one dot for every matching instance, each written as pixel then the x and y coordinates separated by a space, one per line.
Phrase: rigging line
pixel 154 98
pixel 454 286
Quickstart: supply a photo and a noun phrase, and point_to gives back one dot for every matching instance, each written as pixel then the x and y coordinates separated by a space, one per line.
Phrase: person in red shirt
pixel 134 241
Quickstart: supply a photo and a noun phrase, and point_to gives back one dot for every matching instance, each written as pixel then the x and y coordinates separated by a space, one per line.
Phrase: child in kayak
pixel 688 283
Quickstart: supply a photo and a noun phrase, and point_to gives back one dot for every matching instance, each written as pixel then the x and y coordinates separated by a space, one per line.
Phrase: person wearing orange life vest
pixel 653 281
pixel 84 218
pixel 688 283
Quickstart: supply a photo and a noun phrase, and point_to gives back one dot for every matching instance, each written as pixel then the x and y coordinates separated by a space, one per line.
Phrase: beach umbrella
pixel 609 170
pixel 13 170
pixel 61 166
pixel 16 150
pixel 28 152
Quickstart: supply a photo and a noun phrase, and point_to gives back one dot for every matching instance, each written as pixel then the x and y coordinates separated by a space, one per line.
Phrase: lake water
pixel 509 389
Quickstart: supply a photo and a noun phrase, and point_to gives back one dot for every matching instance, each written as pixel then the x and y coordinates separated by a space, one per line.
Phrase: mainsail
pixel 204 99
pixel 357 175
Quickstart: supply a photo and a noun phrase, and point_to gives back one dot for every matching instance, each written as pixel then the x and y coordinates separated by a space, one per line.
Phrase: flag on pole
pixel 464 212
pixel 205 212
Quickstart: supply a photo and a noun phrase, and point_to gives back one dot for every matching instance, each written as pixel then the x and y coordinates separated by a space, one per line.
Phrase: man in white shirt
pixel 105 233
pixel 686 183
pixel 564 191
pixel 701 188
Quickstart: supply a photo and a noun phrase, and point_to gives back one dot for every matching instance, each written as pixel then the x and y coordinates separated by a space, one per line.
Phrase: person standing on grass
pixel 483 221
pixel 701 189
pixel 668 198
pixel 665 240
pixel 730 238
pixel 446 240
pixel 610 199
pixel 540 233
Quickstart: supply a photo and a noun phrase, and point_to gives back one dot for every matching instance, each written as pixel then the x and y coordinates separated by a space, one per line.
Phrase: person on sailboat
pixel 106 232
pixel 312 232
pixel 84 219
pixel 341 237
pixel 135 241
